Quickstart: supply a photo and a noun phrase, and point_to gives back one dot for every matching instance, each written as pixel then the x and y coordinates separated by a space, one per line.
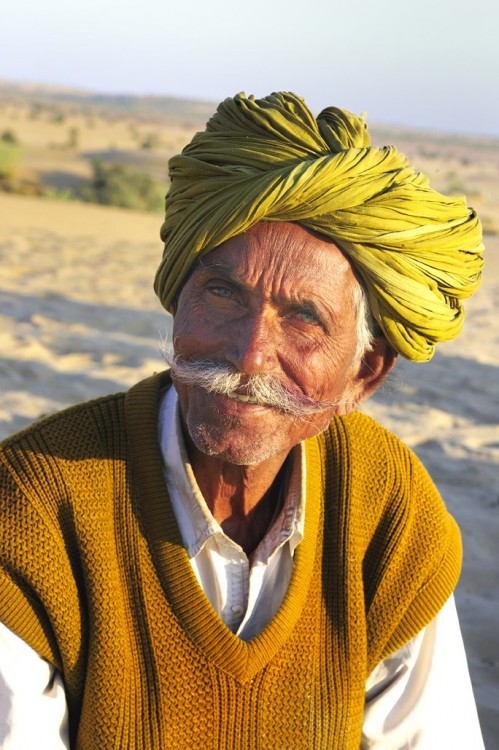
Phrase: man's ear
pixel 373 369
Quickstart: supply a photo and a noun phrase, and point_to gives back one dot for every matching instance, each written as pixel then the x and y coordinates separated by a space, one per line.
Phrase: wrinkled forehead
pixel 283 252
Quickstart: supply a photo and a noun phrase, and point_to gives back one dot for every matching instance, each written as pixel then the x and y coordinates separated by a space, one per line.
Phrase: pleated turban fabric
pixel 419 253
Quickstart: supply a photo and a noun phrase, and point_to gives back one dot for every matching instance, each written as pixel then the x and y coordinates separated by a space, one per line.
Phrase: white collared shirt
pixel 420 697
pixel 246 596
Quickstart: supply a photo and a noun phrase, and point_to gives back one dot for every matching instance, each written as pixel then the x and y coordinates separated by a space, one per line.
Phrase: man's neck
pixel 242 499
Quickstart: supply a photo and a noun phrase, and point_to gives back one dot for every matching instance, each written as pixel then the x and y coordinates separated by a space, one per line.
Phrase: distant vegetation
pixel 8 136
pixel 65 102
pixel 113 150
pixel 10 158
pixel 123 186
pixel 72 145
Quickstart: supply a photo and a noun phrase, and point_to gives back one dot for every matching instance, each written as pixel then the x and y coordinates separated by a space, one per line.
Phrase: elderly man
pixel 230 555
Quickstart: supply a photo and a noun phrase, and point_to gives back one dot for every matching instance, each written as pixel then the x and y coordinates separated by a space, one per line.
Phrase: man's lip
pixel 226 404
pixel 240 395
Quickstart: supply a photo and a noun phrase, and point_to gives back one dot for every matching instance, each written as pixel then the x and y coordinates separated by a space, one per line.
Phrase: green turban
pixel 419 253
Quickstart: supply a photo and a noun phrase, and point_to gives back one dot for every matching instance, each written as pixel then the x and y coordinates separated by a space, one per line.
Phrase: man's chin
pixel 239 451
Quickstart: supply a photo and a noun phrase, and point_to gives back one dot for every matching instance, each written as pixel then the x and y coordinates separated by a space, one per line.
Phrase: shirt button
pixel 237 609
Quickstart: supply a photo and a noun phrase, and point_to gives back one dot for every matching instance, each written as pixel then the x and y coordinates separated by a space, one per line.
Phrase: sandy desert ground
pixel 78 318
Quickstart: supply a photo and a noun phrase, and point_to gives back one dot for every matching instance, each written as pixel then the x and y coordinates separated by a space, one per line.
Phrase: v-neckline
pixel 242 660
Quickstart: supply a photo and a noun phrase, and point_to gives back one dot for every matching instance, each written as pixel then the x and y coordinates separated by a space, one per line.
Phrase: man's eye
pixel 307 317
pixel 220 291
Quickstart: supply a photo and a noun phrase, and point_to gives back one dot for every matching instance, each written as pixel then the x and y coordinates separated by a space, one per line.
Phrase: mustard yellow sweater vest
pixel 94 577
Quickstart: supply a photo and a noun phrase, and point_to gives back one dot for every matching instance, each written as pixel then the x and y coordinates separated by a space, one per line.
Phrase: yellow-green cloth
pixel 418 252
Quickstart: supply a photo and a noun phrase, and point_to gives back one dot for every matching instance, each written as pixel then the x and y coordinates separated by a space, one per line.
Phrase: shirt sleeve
pixel 421 696
pixel 33 711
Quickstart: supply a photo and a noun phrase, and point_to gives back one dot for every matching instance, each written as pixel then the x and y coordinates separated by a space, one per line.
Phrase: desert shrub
pixel 150 141
pixel 456 188
pixel 73 138
pixel 35 110
pixel 427 153
pixel 489 226
pixel 59 194
pixel 9 136
pixel 58 117
pixel 10 157
pixel 123 186
pixel 23 186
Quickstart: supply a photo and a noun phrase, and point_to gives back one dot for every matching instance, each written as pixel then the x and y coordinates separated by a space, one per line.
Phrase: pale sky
pixel 426 63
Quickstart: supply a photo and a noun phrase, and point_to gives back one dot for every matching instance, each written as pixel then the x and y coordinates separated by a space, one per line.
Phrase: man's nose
pixel 254 346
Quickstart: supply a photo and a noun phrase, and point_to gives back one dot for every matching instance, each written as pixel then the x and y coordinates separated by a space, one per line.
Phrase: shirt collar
pixel 194 518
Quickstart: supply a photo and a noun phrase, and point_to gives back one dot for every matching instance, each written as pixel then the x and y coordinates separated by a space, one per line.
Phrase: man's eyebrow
pixel 222 269
pixel 307 306
pixel 304 304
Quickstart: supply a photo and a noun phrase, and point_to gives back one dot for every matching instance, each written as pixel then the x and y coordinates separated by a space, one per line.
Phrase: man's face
pixel 275 300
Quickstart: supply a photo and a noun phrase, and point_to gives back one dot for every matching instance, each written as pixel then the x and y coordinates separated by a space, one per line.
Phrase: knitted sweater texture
pixel 94 577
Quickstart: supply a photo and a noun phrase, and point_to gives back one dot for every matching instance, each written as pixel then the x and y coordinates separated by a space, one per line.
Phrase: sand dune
pixel 78 318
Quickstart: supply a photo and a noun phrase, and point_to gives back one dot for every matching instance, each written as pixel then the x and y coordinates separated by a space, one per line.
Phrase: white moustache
pixel 258 388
